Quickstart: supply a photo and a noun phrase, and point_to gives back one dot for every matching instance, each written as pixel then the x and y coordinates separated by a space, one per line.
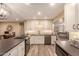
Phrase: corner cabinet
pixel 70 17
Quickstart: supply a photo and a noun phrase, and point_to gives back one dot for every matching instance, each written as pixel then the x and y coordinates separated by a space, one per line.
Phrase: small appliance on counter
pixel 62 36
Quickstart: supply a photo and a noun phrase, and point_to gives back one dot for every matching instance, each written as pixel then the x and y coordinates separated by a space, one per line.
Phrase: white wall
pixel 16 28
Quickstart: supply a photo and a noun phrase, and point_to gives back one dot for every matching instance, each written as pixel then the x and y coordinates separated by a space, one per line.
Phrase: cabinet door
pixel 12 52
pixel 32 40
pixel 17 51
pixel 77 12
pixel 7 54
pixel 21 49
pixel 53 39
pixel 39 40
pixel 69 17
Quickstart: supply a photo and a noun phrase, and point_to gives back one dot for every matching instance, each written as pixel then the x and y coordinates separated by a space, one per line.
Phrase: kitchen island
pixel 64 48
pixel 12 47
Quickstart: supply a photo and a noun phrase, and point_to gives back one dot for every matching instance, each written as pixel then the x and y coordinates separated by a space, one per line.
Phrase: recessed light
pixel 27 3
pixel 73 3
pixel 51 4
pixel 17 19
pixel 39 13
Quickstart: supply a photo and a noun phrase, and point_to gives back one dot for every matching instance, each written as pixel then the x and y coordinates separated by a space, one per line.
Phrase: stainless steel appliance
pixel 27 45
pixel 62 36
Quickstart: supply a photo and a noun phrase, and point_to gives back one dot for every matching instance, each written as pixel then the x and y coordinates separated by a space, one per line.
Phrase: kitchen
pixel 39 29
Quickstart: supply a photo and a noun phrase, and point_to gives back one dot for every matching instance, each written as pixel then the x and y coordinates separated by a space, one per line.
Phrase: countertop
pixel 42 35
pixel 8 44
pixel 71 50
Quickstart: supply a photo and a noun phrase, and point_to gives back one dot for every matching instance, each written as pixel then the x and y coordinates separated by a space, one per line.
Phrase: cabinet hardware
pixel 78 26
pixel 74 26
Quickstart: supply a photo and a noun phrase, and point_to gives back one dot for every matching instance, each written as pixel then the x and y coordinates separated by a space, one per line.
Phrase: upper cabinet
pixel 70 17
pixel 38 27
pixel 78 13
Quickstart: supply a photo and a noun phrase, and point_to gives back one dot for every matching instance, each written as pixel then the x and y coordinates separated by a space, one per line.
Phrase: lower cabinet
pixel 12 52
pixel 53 39
pixel 42 39
pixel 19 50
pixel 37 40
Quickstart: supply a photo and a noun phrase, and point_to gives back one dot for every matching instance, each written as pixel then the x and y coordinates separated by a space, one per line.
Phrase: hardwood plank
pixel 42 50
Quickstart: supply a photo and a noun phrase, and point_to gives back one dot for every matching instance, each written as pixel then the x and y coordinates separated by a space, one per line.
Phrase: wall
pixel 16 27
pixel 38 26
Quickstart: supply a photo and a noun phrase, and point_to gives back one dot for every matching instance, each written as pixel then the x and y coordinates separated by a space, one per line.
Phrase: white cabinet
pixel 37 40
pixel 19 50
pixel 69 17
pixel 12 52
pixel 53 39
pixel 32 39
pixel 77 7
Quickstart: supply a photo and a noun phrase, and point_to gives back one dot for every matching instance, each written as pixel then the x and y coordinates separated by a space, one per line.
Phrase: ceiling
pixel 22 11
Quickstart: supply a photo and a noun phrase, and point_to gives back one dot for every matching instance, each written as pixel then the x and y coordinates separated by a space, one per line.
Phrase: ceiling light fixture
pixel 39 13
pixel 3 11
pixel 51 4
pixel 17 19
pixel 73 4
pixel 27 3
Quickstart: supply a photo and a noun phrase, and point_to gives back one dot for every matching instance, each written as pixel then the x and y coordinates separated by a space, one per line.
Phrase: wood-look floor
pixel 42 50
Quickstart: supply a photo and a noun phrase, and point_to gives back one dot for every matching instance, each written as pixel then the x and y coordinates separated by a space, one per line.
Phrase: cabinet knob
pixel 78 26
pixel 74 26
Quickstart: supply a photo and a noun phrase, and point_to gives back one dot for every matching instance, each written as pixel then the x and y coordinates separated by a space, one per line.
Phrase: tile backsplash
pixel 73 35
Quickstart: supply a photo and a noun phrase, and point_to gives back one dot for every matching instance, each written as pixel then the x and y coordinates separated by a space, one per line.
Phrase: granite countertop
pixel 8 44
pixel 66 46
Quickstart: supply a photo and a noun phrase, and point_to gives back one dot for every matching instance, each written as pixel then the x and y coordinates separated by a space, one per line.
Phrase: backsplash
pixel 73 35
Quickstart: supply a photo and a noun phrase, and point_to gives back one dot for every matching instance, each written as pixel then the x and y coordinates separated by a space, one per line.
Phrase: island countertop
pixel 67 47
pixel 8 44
